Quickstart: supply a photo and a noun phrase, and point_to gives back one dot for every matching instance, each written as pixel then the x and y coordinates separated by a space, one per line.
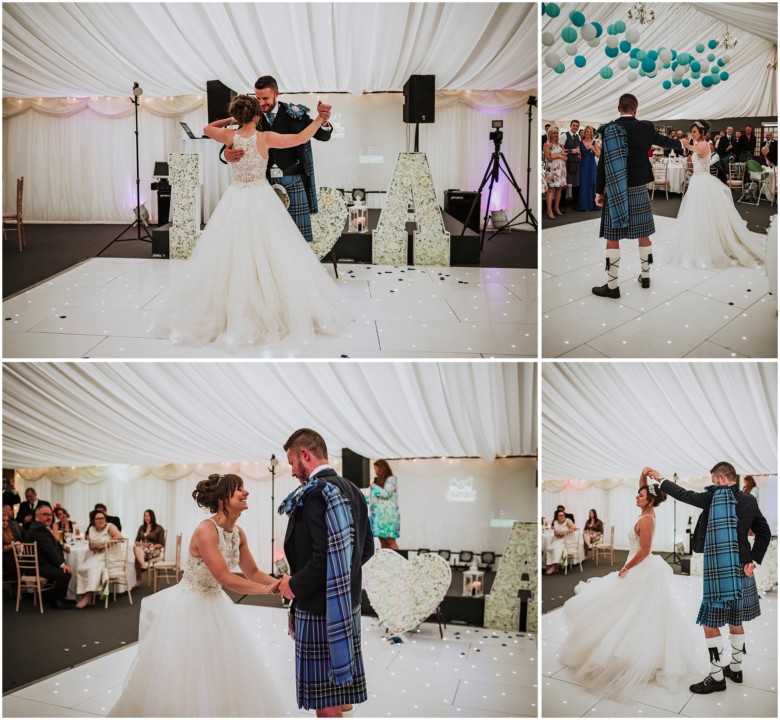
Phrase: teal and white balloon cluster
pixel 622 42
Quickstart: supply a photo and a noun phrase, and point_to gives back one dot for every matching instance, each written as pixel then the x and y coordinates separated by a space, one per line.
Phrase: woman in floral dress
pixel 385 515
pixel 554 172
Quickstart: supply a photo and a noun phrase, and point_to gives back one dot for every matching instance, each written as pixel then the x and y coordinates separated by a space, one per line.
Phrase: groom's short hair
pixel 628 103
pixel 266 81
pixel 311 440
pixel 724 468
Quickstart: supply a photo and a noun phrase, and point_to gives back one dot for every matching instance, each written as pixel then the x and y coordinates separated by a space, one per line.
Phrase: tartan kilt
pixel 736 611
pixel 312 664
pixel 640 217
pixel 299 203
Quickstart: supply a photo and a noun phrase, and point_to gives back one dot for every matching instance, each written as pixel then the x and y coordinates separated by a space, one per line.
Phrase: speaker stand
pixel 417 137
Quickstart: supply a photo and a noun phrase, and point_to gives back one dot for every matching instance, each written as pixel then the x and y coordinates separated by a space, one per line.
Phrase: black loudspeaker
pixel 458 203
pixel 219 97
pixel 355 468
pixel 420 99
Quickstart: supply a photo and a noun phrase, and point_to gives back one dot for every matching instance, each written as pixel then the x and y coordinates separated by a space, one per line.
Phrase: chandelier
pixel 773 64
pixel 727 41
pixel 638 13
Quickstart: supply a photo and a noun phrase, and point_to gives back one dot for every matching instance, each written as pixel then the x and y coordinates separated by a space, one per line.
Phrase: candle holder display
pixel 358 218
pixel 473 583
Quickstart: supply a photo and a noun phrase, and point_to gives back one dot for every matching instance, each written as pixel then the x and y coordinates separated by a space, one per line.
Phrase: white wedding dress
pixel 252 279
pixel 625 632
pixel 710 231
pixel 195 656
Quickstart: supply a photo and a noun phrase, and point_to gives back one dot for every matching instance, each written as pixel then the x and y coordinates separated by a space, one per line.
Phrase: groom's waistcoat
pixel 306 545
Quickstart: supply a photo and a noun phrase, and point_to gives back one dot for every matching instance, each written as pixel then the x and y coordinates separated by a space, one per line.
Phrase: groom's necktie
pixel 271 116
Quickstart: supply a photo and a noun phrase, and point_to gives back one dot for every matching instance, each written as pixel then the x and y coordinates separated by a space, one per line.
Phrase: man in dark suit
pixel 292 168
pixel 731 612
pixel 770 143
pixel 727 148
pixel 314 554
pixel 28 508
pixel 10 496
pixel 747 145
pixel 570 139
pixel 621 189
pixel 51 558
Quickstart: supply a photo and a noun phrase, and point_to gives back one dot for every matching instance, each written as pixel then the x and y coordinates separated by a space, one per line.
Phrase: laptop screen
pixel 189 132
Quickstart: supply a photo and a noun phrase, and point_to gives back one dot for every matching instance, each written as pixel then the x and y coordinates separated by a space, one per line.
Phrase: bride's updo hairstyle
pixel 244 108
pixel 209 492
pixel 654 493
pixel 702 126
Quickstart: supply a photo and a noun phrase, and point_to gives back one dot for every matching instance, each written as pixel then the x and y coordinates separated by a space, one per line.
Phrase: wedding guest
pixel 570 516
pixel 747 144
pixel 544 137
pixel 562 526
pixel 113 519
pixel 9 562
pixel 593 531
pixel 51 556
pixel 763 158
pixel 771 144
pixel 589 152
pixel 29 507
pixel 16 528
pixel 90 576
pixel 749 486
pixel 385 515
pixel 62 524
pixel 149 543
pixel 727 146
pixel 10 496
pixel 571 144
pixel 555 172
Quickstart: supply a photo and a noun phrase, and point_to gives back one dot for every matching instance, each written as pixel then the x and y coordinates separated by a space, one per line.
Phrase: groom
pixel 328 541
pixel 730 596
pixel 292 168
pixel 621 189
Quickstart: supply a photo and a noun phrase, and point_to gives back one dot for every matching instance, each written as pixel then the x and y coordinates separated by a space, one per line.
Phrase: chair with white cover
pixel 14 219
pixel 572 549
pixel 167 570
pixel 607 549
pixel 660 178
pixel 116 567
pixel 28 575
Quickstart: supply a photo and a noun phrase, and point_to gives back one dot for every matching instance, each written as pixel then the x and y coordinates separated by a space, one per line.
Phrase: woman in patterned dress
pixel 554 172
pixel 385 515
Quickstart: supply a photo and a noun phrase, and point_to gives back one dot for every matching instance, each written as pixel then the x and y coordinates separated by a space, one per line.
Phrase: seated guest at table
pixel 562 526
pixel 746 144
pixel 149 543
pixel 28 508
pixel 113 519
pixel 9 540
pixel 16 529
pixel 749 486
pixel 10 496
pixel 763 158
pixel 51 556
pixel 62 523
pixel 593 531
pixel 91 574
pixel 568 515
pixel 771 143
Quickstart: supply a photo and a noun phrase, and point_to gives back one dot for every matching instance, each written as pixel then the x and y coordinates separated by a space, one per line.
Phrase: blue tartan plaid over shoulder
pixel 722 568
pixel 615 158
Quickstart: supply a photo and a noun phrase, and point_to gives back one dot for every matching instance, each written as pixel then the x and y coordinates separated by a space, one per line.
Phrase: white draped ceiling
pixel 87 49
pixel 606 421
pixel 153 414
pixel 751 89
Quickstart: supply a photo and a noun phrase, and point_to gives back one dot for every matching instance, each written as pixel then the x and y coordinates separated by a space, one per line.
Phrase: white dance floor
pixel 475 673
pixel 756 697
pixel 685 313
pixel 104 307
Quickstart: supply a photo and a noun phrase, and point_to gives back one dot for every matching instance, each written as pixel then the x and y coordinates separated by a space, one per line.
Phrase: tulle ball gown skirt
pixel 252 280
pixel 625 632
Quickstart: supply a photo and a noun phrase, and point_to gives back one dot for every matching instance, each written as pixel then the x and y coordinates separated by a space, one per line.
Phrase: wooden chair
pixel 28 575
pixel 168 570
pixel 659 178
pixel 604 549
pixel 572 549
pixel 687 180
pixel 150 564
pixel 116 565
pixel 14 219
pixel 735 179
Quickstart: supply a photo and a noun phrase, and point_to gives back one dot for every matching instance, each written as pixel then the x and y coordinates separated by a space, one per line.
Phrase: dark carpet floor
pixel 52 249
pixel 559 587
pixel 757 216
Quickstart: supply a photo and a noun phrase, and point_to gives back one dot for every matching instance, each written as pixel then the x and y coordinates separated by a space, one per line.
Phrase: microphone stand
pixel 675 558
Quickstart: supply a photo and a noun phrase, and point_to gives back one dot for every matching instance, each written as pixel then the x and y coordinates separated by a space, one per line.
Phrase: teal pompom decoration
pixel 712 44
pixel 624 46
pixel 724 76
pixel 695 75
pixel 695 66
pixel 560 68
pixel 683 58
pixel 720 62
pixel 653 55
pixel 611 52
pixel 667 65
pixel 599 28
pixel 552 10
pixel 633 63
pixel 648 65
pixel 620 27
pixel 711 57
pixel 577 18
pixel 606 73
pixel 667 84
pixel 707 81
pixel 579 61
pixel 568 35
pixel 700 48
pixel 686 82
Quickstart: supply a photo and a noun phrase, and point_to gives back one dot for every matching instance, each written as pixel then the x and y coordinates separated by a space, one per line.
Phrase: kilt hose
pixel 640 217
pixel 735 612
pixel 312 664
pixel 299 203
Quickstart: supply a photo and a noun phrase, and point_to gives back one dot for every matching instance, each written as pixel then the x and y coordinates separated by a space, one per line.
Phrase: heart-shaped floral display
pixel 327 223
pixel 405 592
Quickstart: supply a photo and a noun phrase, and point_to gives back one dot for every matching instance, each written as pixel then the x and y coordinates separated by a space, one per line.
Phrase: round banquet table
pixel 77 555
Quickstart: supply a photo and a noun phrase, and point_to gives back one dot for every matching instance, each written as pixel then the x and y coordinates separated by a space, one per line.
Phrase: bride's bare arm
pixel 218 131
pixel 276 140
pixel 645 531
pixel 248 565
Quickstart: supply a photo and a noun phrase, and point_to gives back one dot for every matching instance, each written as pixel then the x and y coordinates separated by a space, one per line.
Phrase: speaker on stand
pixel 355 468
pixel 219 97
pixel 419 103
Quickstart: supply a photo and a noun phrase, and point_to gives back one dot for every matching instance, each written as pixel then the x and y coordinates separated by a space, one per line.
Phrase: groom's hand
pixel 232 155
pixel 749 569
pixel 599 200
pixel 285 589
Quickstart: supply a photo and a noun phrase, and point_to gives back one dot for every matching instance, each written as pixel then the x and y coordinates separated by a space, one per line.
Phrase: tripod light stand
pixel 138 222
pixel 675 558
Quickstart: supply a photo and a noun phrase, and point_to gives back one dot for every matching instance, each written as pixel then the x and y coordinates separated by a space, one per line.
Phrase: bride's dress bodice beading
pixel 701 164
pixel 251 167
pixel 197 577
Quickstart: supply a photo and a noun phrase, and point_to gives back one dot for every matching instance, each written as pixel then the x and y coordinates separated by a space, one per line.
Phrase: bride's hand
pixel 622 572
pixel 273 588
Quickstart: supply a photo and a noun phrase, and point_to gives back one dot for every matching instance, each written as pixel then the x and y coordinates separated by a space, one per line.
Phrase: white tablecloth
pixel 547 535
pixel 78 554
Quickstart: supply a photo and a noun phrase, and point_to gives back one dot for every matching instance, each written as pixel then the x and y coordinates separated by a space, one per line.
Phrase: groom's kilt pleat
pixel 312 664
pixel 299 203
pixel 735 612
pixel 640 217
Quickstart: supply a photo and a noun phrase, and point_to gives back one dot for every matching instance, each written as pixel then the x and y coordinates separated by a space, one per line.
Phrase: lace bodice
pixel 197 577
pixel 251 167
pixel 633 540
pixel 701 164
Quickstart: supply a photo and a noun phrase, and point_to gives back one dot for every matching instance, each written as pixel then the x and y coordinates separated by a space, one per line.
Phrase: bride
pixel 252 279
pixel 193 651
pixel 626 629
pixel 710 230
